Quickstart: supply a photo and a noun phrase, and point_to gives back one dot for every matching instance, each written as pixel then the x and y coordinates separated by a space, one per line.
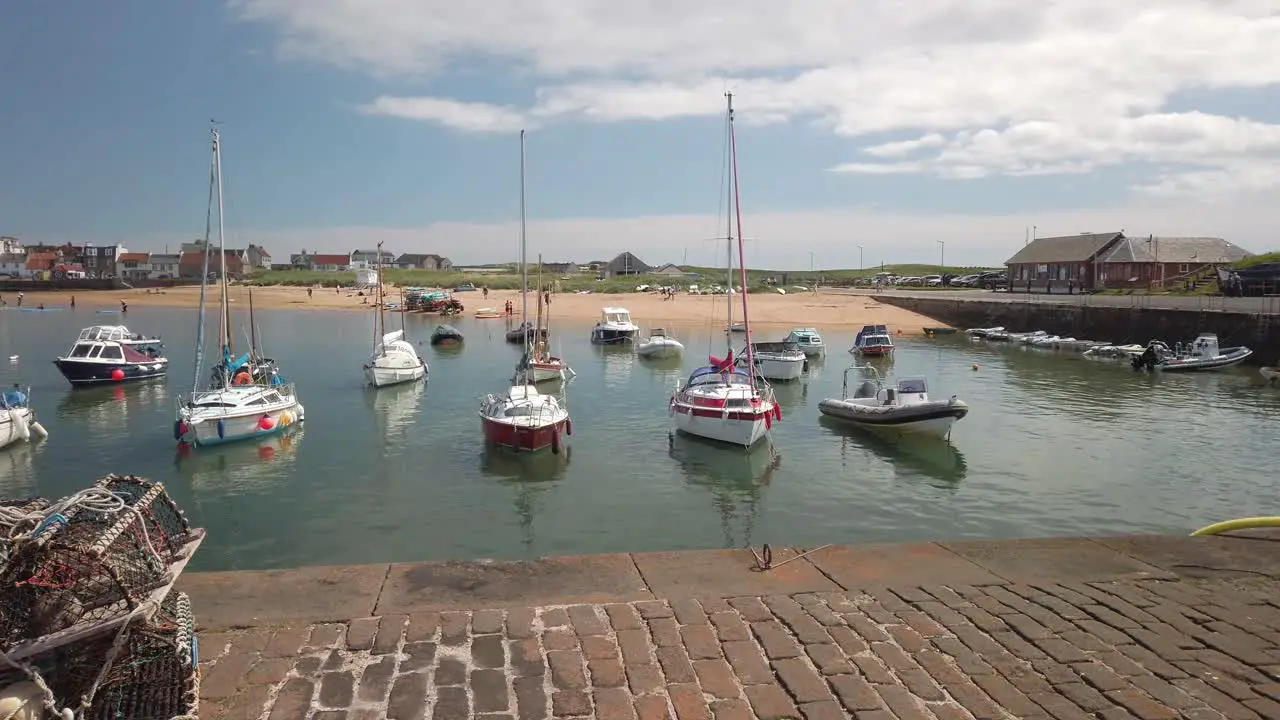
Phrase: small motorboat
pixel 615 327
pixel 111 353
pixel 985 332
pixel 17 419
pixel 445 334
pixel 737 327
pixel 488 314
pixel 783 361
pixel 1202 354
pixel 936 331
pixel 1046 341
pixel 524 331
pixel 524 419
pixel 1272 374
pixel 1115 351
pixel 905 407
pixel 809 340
pixel 659 345
pixel 873 341
pixel 1028 337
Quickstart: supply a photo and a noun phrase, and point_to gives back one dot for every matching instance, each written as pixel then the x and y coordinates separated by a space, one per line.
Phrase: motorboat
pixel 985 332
pixel 1272 374
pixel 525 419
pixel 615 327
pixel 809 340
pixel 237 412
pixel 783 361
pixel 1046 341
pixel 445 334
pixel 394 359
pixel 489 314
pixel 720 401
pixel 736 327
pixel 1115 351
pixel 17 419
pixel 112 354
pixel 904 407
pixel 659 345
pixel 524 331
pixel 1200 355
pixel 873 341
pixel 1026 338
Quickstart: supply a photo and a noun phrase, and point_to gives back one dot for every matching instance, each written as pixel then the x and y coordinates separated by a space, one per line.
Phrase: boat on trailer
pixel 1202 354
pixel 903 407
pixel 112 354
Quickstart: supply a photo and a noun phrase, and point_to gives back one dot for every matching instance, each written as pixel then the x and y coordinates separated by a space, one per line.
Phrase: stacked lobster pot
pixel 90 626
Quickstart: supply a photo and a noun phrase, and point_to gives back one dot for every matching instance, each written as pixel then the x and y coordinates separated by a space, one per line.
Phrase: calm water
pixel 1055 444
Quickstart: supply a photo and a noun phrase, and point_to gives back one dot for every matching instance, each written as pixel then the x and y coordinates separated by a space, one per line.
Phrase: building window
pixel 1184 267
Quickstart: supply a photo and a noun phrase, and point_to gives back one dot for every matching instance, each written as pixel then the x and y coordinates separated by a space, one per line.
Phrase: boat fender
pixel 671 406
pixel 179 429
pixel 39 430
pixel 555 443
pixel 777 411
pixel 265 422
pixel 768 421
pixel 568 426
pixel 222 430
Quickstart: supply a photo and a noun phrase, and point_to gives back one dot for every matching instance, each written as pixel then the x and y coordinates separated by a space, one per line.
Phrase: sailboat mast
pixel 524 250
pixel 728 234
pixel 253 329
pixel 228 346
pixel 204 272
pixel 380 327
pixel 742 259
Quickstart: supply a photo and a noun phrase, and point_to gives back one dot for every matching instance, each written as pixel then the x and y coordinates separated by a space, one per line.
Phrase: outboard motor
pixel 866 390
pixel 1147 359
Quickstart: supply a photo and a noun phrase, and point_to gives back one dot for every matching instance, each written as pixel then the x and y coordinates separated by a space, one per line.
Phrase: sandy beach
pixel 647 309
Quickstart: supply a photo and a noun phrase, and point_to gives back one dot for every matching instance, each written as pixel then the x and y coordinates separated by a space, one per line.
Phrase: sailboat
pixel 523 418
pixel 394 360
pixel 540 365
pixel 721 401
pixel 246 398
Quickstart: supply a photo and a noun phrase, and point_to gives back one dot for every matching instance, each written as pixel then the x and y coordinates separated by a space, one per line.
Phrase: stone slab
pixel 728 573
pixel 862 566
pixel 413 587
pixel 1054 560
pixel 1244 554
pixel 332 593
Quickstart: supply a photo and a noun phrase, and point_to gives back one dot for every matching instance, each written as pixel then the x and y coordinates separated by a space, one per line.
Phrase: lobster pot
pixel 24 506
pixel 88 567
pixel 156 674
pixel 151 675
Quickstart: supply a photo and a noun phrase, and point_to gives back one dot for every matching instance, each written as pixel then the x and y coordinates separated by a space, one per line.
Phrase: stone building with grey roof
pixel 1061 260
pixel 1093 261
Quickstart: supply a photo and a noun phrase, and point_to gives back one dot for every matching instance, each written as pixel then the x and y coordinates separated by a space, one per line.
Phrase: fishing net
pixel 91 559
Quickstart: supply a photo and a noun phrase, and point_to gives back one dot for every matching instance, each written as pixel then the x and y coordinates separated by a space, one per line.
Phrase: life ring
pixel 242 378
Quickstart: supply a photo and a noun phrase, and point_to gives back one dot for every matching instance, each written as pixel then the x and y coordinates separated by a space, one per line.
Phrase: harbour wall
pixel 1258 331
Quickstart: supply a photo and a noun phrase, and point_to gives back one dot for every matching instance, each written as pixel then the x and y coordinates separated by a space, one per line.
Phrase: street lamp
pixel 942 256
pixel 860 265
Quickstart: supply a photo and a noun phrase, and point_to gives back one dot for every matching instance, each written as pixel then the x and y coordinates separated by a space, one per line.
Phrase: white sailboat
pixel 721 402
pixel 539 365
pixel 394 359
pixel 246 398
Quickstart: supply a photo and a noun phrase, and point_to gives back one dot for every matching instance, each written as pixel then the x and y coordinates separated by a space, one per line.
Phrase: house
pixel 38 260
pixel 330 263
pixel 568 268
pixel 429 261
pixel 165 266
pixel 257 257
pixel 11 246
pixel 669 270
pixel 300 261
pixel 625 264
pixel 1141 262
pixel 133 266
pixel 100 260
pixel 364 259
pixel 1068 259
pixel 14 266
pixel 191 264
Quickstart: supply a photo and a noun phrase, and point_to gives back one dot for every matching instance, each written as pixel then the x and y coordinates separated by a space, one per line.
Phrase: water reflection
pixel 17 469
pixel 909 455
pixel 530 476
pixel 241 467
pixel 618 362
pixel 108 408
pixel 735 478
pixel 395 408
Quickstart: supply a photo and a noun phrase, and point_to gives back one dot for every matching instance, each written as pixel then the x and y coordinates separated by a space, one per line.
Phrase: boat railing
pixel 286 391
pixel 10 400
pixel 868 371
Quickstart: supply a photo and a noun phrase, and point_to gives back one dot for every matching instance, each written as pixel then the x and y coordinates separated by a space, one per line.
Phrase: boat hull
pixel 778 369
pixel 384 376
pixel 81 374
pixel 734 428
pixel 15 425
pixel 524 438
pixel 240 426
pixel 813 351
pixel 933 419
pixel 657 350
pixel 873 351
pixel 547 372
pixel 1229 358
pixel 611 336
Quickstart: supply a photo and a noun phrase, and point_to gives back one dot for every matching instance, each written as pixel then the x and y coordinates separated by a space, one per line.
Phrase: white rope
pixel 97 499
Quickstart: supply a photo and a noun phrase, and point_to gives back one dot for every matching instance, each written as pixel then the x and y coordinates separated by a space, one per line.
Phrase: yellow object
pixel 1248 523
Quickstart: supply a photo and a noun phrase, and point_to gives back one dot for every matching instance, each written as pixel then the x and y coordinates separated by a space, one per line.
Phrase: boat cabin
pixel 114 343
pixel 615 316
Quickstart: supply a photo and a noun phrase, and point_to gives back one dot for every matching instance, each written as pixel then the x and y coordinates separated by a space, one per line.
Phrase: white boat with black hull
pixel 112 354
pixel 1200 355
pixel 783 361
pixel 615 327
pixel 905 407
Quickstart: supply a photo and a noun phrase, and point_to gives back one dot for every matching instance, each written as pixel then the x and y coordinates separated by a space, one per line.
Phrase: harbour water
pixel 1055 444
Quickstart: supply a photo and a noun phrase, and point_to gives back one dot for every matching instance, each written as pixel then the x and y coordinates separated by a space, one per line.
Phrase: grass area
pixel 586 281
pixel 1249 262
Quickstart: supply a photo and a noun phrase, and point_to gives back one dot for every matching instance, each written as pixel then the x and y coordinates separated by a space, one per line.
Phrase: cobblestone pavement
pixel 1145 649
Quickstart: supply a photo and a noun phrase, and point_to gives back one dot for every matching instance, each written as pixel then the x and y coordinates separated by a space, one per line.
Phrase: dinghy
pixel 1201 355
pixel 905 407
pixel 659 345
pixel 445 334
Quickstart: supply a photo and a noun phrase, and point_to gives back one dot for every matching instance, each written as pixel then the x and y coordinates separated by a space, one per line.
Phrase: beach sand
pixel 648 310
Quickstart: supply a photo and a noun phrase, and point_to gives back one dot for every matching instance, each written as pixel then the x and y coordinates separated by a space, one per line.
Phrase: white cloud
pixel 991 86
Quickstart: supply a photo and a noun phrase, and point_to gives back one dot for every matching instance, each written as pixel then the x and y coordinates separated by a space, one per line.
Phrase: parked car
pixel 932 280
pixel 466 287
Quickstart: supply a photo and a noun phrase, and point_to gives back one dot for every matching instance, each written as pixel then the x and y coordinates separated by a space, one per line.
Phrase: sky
pixel 868 132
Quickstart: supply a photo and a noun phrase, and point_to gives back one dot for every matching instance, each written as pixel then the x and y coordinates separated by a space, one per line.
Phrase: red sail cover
pixel 721 365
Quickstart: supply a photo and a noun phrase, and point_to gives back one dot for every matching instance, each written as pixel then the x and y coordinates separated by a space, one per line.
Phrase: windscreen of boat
pixel 710 376
pixel 81 350
pixel 618 318
pixel 911 385
pixel 878 340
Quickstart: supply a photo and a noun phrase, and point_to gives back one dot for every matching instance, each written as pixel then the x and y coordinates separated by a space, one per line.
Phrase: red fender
pixel 777 411
pixel 568 426
pixel 768 422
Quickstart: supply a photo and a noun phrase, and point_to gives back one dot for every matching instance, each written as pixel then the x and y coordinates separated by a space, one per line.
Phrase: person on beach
pixel 309 290
pixel 73 302
pixel 20 296
pixel 485 291
pixel 124 307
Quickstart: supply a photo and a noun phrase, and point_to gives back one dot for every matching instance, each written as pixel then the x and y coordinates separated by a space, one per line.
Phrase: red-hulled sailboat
pixel 523 418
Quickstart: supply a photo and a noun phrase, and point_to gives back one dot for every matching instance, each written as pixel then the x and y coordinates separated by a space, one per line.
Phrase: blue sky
pixel 346 122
